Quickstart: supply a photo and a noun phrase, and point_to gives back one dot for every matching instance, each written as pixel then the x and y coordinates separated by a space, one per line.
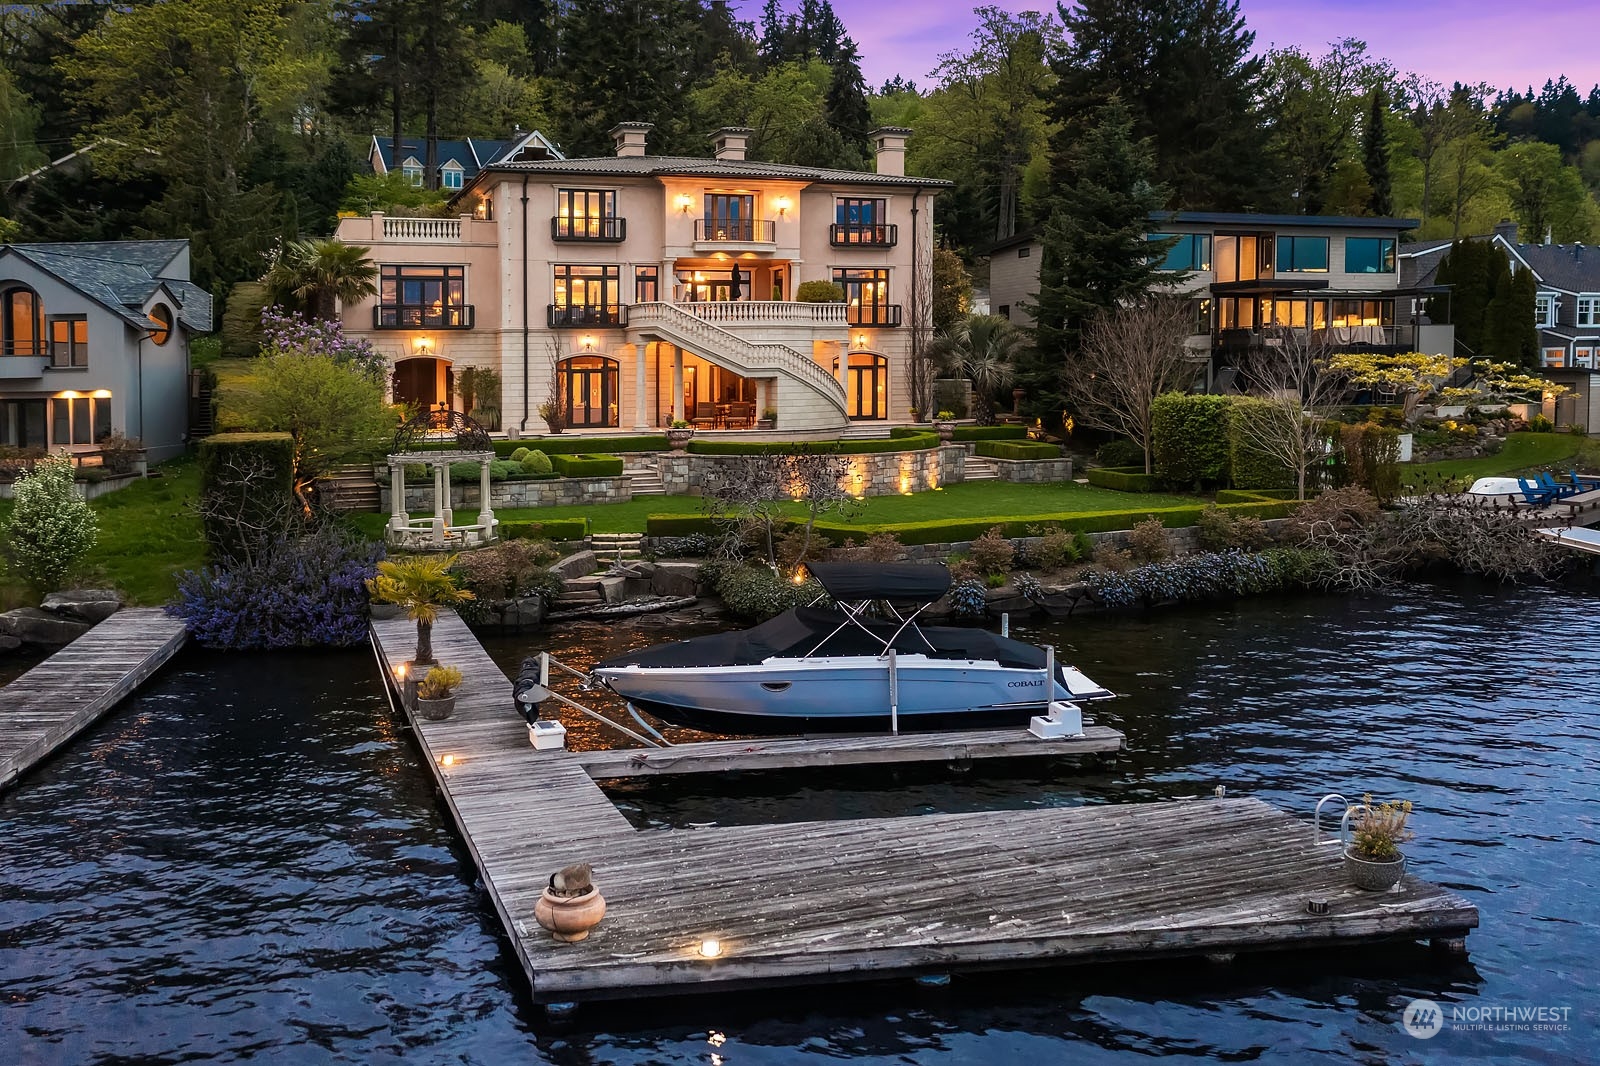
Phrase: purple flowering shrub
pixel 301 592
pixel 285 333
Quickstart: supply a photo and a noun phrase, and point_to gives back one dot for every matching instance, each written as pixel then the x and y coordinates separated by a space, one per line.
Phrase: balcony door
pixel 730 217
pixel 589 383
pixel 866 386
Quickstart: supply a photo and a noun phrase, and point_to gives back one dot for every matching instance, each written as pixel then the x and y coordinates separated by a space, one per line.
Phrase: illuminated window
pixel 69 341
pixel 161 315
pixel 21 328
pixel 866 296
pixel 419 297
pixel 79 419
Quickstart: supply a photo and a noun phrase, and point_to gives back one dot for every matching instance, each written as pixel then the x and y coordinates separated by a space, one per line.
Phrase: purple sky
pixel 1505 44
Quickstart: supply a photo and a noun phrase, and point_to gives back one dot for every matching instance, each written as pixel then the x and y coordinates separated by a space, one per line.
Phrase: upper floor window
pixel 1191 252
pixel 1589 310
pixel 732 217
pixel 419 297
pixel 866 297
pixel 1303 254
pixel 412 171
pixel 1544 309
pixel 452 176
pixel 161 320
pixel 862 220
pixel 1025 251
pixel 69 341
pixel 586 295
pixel 1243 256
pixel 1369 255
pixel 646 284
pixel 586 214
pixel 21 323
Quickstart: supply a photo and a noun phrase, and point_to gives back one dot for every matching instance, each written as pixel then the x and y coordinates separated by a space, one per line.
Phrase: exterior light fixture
pixel 447 761
pixel 783 204
pixel 588 343
pixel 422 345
pixel 710 949
pixel 69 395
pixel 684 202
pixel 860 341
pixel 101 394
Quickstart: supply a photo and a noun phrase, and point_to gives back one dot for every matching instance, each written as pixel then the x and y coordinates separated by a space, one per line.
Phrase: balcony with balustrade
pixel 863 234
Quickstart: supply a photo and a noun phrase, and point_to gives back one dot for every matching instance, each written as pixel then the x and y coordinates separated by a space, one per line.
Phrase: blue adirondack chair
pixel 1557 490
pixel 1583 482
pixel 1536 494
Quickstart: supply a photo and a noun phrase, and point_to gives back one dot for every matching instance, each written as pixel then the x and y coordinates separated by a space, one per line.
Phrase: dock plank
pixel 56 700
pixel 826 901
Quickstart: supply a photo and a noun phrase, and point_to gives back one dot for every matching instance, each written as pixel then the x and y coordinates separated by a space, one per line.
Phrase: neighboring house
pixel 639 288
pixel 460 161
pixel 1247 274
pixel 94 339
pixel 1566 311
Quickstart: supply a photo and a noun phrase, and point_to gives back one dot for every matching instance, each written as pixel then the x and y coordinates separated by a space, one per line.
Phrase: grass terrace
pixel 1523 452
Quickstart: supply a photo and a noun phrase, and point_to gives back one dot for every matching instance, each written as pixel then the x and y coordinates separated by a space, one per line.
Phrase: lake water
pixel 248 861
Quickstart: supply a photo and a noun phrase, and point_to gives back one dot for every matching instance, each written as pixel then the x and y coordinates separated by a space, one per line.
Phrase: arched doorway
pixel 424 384
pixel 866 385
pixel 589 383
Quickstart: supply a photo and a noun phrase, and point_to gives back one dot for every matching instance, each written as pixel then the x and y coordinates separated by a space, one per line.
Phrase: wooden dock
pixel 863 899
pixel 56 700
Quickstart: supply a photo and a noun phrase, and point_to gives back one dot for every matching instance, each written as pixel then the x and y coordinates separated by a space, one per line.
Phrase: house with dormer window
pixel 94 339
pixel 460 159
pixel 635 289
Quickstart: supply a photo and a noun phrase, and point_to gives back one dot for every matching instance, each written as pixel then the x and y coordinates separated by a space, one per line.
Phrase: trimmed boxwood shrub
pixel 1189 439
pixel 908 443
pixel 946 530
pixel 1122 478
pixel 580 445
pixel 586 465
pixel 969 433
pixel 557 529
pixel 680 525
pixel 535 463
pixel 1248 466
pixel 1016 449
pixel 518 456
pixel 247 506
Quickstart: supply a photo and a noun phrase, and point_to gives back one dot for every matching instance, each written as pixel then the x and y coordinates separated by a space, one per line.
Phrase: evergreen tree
pixel 1096 254
pixel 1466 269
pixel 1185 72
pixel 1523 313
pixel 1498 338
pixel 1375 157
pixel 846 107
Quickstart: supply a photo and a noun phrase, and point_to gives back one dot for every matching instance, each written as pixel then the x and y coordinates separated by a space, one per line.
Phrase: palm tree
pixel 983 348
pixel 314 275
pixel 421 584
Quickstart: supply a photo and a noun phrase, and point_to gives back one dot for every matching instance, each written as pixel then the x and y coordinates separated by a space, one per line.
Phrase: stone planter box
pixel 1033 471
pixel 551 492
pixel 869 474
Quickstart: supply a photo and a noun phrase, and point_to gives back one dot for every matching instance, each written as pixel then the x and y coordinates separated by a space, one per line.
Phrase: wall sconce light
pixel 69 394
pixel 783 204
pixel 101 394
pixel 859 341
pixel 588 344
pixel 684 202
pixel 422 345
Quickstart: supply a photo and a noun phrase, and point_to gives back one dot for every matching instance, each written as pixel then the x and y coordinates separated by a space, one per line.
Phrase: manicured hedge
pixel 549 529
pixel 969 433
pixel 1249 467
pixel 1189 439
pixel 1253 495
pixel 912 442
pixel 1122 478
pixel 586 465
pixel 940 531
pixel 579 445
pixel 680 525
pixel 255 504
pixel 1016 449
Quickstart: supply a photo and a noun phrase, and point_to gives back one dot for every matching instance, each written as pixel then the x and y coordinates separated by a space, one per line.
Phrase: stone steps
pixel 979 469
pixel 645 481
pixel 609 547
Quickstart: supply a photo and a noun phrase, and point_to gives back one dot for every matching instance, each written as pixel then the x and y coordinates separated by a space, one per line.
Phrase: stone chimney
pixel 729 142
pixel 1507 229
pixel 629 137
pixel 889 148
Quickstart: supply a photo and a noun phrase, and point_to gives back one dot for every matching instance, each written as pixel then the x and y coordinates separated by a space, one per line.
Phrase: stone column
pixel 438 490
pixel 397 496
pixel 486 502
pixel 641 409
pixel 446 512
pixel 677 384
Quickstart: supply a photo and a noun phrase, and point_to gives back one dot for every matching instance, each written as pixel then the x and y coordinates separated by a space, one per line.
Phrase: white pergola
pixel 439 532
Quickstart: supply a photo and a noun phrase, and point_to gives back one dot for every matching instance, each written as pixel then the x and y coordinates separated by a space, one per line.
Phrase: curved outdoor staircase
pixel 669 323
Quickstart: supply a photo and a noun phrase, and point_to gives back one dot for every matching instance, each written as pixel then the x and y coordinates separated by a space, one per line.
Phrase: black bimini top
pixel 902 582
pixel 805 631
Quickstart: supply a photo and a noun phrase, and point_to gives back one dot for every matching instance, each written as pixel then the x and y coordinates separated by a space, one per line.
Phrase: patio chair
pixel 705 414
pixel 1584 482
pixel 1534 493
pixel 741 415
pixel 1559 491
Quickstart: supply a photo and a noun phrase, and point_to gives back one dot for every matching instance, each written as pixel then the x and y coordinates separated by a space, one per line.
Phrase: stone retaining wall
pixel 1032 471
pixel 551 492
pixel 870 474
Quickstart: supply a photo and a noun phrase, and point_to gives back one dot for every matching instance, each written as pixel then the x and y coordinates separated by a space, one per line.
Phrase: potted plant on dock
pixel 421 584
pixel 570 905
pixel 1373 835
pixel 436 693
pixel 678 434
pixel 944 424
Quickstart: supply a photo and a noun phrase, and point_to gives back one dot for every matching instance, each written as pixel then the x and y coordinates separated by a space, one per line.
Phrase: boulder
pixel 9 643
pixel 578 564
pixel 675 579
pixel 83 605
pixel 31 625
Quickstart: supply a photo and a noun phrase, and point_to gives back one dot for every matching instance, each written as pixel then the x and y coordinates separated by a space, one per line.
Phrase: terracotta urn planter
pixel 436 710
pixel 679 438
pixel 1374 876
pixel 569 918
pixel 946 430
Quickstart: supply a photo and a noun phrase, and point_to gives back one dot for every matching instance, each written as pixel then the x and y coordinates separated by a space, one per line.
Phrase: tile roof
pixel 650 166
pixel 122 275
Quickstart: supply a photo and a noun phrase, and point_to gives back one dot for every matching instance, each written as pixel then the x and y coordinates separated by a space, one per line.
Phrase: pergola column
pixel 446 512
pixel 485 502
pixel 677 384
pixel 398 516
pixel 641 413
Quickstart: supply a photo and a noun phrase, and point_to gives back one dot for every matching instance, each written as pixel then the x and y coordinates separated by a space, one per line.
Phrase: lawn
pixel 978 499
pixel 148 532
pixel 1522 452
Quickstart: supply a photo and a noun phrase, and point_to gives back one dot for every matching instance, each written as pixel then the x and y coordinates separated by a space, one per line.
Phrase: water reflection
pixel 248 860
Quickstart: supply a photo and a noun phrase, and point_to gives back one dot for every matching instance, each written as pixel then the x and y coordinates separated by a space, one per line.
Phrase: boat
pixel 846 669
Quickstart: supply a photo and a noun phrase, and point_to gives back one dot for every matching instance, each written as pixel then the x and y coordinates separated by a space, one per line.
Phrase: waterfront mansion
pixel 629 291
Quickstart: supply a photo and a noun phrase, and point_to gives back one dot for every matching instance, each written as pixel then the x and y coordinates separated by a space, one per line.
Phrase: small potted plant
pixel 420 584
pixel 678 434
pixel 436 693
pixel 769 419
pixel 944 424
pixel 1373 834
